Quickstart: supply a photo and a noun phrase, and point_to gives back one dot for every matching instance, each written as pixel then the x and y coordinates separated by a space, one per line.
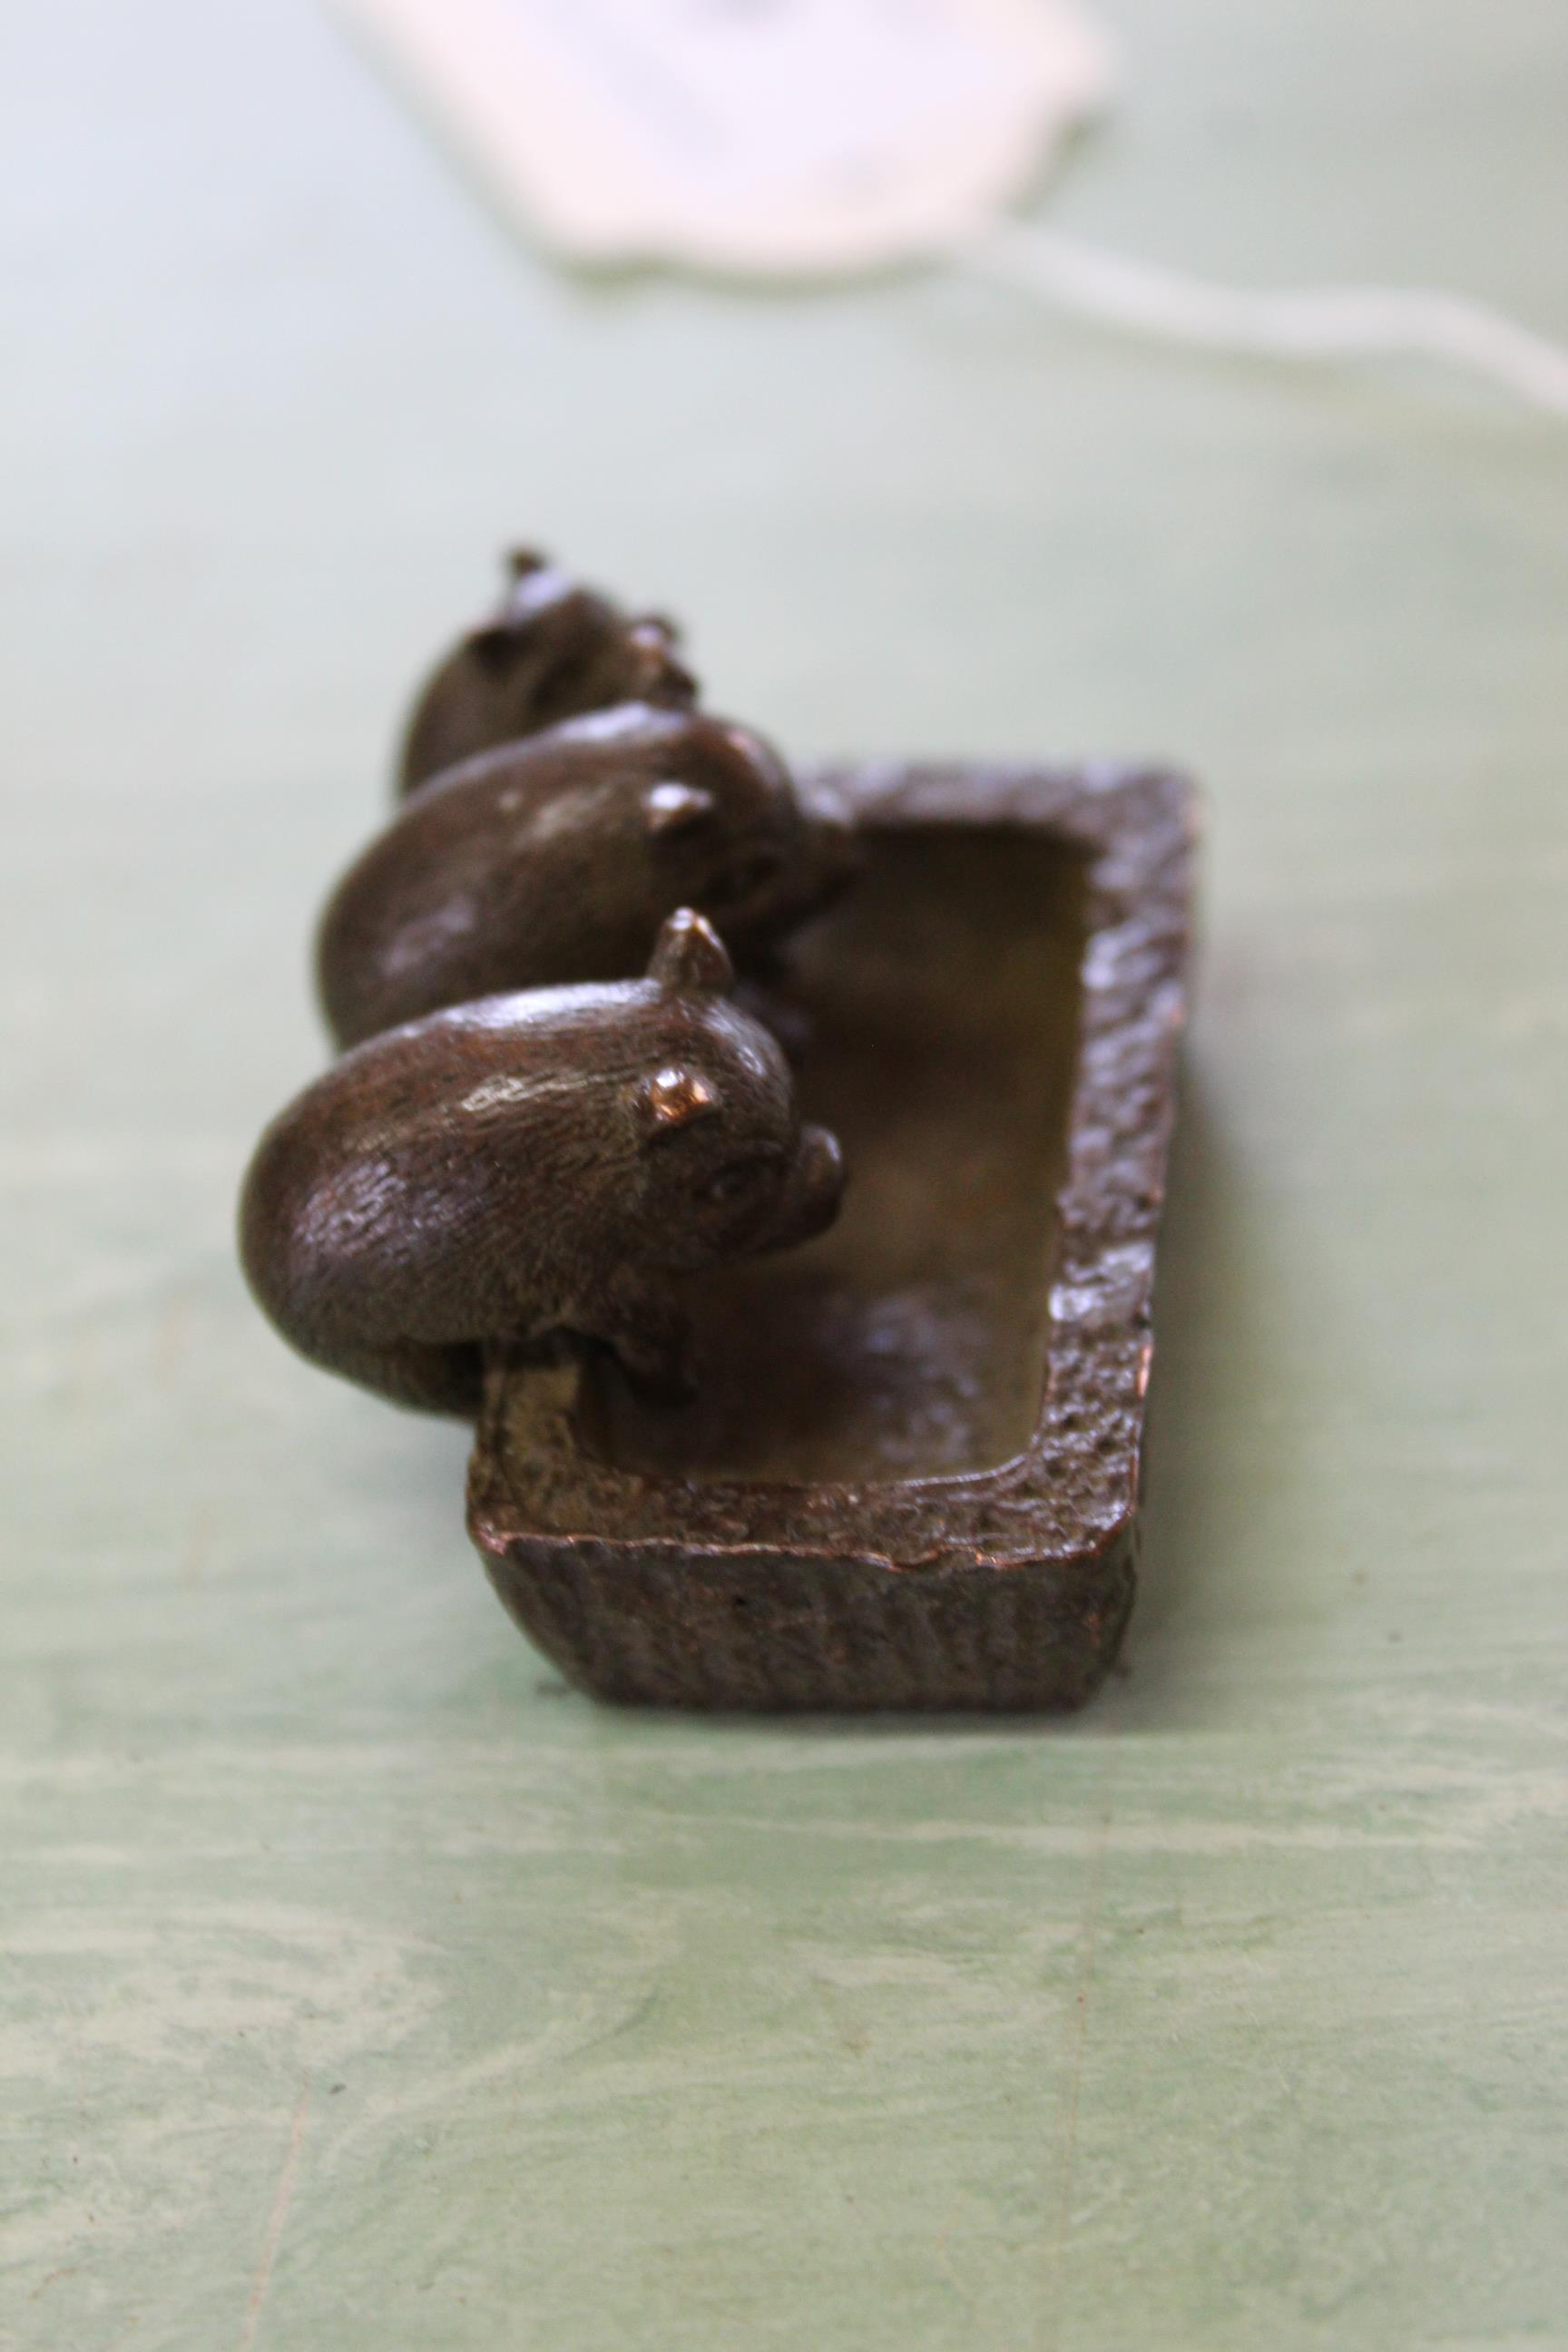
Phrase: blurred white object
pixel 777 136
pixel 809 137
pixel 1327 323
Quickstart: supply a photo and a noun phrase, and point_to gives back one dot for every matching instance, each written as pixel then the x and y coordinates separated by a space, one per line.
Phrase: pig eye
pixel 730 1182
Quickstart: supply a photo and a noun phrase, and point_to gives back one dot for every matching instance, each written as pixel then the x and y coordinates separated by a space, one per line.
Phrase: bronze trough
pixel 911 1478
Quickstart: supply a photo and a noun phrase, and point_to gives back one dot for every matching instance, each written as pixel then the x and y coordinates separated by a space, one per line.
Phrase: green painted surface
pixel 364 1989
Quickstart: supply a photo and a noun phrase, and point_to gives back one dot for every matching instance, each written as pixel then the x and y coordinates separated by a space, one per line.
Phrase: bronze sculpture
pixel 557 857
pixel 530 1165
pixel 900 1464
pixel 552 650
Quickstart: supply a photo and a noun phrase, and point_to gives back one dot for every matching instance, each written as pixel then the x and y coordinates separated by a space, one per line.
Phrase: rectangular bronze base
pixel 911 1478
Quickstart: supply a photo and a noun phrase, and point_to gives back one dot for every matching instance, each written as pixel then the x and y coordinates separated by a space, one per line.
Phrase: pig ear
pixel 670 1099
pixel 492 641
pixel 671 808
pixel 689 956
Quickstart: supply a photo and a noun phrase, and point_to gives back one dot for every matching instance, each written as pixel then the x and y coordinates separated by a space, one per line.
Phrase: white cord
pixel 1326 323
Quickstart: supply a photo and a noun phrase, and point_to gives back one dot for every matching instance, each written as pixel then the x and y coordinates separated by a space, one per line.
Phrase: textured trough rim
pixel 1058 1518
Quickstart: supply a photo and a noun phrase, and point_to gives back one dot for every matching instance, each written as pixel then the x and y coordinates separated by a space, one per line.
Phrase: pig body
pixel 531 1164
pixel 557 857
pixel 553 650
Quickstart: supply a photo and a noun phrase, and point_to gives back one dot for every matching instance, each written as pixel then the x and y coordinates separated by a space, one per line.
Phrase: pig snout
pixel 814 1191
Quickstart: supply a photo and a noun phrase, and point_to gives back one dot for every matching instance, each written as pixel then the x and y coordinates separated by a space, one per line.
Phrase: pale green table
pixel 365 1989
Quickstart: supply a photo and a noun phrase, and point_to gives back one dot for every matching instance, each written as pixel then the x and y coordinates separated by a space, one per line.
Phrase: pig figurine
pixel 529 1165
pixel 553 650
pixel 557 857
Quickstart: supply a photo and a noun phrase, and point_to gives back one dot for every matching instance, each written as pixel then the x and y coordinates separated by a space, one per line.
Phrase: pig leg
pixel 651 1338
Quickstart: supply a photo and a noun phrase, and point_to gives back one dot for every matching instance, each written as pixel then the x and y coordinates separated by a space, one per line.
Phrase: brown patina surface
pixel 911 1478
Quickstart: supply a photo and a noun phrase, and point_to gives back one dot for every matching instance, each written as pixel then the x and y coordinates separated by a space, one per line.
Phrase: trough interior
pixel 910 1340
